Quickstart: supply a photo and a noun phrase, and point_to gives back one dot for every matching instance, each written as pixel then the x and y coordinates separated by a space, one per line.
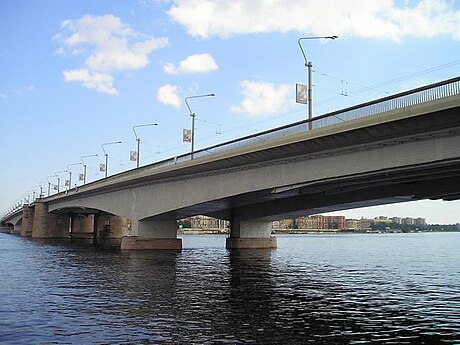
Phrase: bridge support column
pixel 49 225
pixel 27 221
pixel 250 235
pixel 110 229
pixel 161 234
pixel 82 228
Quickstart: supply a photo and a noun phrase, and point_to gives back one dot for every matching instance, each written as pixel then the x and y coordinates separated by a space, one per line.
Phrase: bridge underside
pixel 438 177
pixel 410 184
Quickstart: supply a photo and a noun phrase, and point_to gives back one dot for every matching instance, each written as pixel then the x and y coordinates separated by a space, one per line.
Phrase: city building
pixel 205 222
pixel 315 223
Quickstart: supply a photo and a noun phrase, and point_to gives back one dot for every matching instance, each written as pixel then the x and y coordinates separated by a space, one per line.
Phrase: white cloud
pixel 429 18
pixel 169 95
pixel 101 82
pixel 109 46
pixel 2 95
pixel 193 64
pixel 262 99
pixel 359 18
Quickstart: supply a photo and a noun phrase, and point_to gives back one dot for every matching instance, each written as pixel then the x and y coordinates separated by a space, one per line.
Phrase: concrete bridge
pixel 398 148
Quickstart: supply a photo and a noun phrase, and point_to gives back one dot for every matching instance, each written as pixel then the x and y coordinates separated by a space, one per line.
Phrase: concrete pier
pixel 150 234
pixel 82 228
pixel 110 229
pixel 250 235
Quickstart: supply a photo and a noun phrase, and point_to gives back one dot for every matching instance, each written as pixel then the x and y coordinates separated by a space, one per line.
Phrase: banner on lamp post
pixel 133 156
pixel 102 167
pixel 301 93
pixel 187 136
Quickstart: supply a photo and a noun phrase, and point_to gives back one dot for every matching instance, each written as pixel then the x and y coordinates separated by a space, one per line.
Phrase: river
pixel 313 289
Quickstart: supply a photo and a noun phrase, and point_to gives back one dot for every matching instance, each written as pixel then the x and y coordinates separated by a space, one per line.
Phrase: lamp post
pixel 107 155
pixel 84 166
pixel 192 115
pixel 58 178
pixel 49 183
pixel 309 65
pixel 41 189
pixel 139 140
pixel 70 173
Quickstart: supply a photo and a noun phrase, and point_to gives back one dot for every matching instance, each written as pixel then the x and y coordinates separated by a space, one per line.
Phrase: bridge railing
pixel 401 100
pixel 404 99
pixel 12 210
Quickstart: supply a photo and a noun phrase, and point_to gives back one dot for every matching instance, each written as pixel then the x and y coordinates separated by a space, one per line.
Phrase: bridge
pixel 398 148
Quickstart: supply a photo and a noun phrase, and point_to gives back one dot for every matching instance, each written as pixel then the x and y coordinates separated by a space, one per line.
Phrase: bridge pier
pixel 109 229
pixel 250 235
pixel 157 234
pixel 27 221
pixel 82 228
pixel 49 225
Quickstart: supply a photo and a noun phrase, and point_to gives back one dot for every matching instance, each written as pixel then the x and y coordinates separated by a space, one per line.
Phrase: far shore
pixel 188 231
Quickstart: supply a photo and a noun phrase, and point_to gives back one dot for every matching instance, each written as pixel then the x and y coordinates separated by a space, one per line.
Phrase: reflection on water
pixel 349 289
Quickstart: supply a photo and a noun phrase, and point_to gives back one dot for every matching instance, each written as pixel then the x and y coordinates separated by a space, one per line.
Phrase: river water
pixel 331 289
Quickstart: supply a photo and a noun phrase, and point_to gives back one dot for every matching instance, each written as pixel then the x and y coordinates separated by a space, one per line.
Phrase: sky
pixel 78 74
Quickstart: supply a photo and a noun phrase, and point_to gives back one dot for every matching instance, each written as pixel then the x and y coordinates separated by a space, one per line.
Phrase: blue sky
pixel 77 74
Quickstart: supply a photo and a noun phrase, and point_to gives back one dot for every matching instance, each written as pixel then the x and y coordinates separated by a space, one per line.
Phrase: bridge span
pixel 398 148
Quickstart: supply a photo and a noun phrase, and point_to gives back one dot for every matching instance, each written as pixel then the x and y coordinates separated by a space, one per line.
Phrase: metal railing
pixel 18 206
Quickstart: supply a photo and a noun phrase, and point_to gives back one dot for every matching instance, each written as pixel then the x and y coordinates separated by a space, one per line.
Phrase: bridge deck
pixel 423 112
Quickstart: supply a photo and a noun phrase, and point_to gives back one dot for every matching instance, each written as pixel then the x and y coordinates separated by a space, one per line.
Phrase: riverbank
pixel 190 231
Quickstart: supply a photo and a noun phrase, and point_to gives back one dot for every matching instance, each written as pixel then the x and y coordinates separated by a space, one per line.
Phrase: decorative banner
pixel 102 167
pixel 67 183
pixel 133 156
pixel 81 177
pixel 187 136
pixel 55 187
pixel 301 93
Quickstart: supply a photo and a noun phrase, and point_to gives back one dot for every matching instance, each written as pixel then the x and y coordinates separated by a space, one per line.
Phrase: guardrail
pixel 12 210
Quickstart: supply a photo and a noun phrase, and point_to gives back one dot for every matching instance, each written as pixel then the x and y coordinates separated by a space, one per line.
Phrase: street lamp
pixel 139 140
pixel 107 155
pixel 192 115
pixel 70 173
pixel 84 166
pixel 33 194
pixel 49 183
pixel 309 65
pixel 41 189
pixel 58 178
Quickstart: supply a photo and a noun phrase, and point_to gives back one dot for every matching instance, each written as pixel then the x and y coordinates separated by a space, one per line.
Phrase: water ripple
pixel 311 290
